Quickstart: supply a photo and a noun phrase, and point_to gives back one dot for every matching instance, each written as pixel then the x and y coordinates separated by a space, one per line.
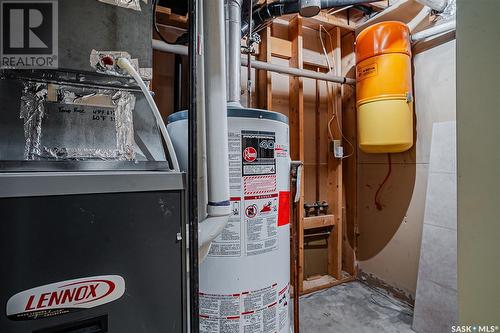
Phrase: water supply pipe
pixel 218 208
pixel 161 46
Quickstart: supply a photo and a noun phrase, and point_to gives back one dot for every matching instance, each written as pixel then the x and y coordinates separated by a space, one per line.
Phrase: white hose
pixel 125 64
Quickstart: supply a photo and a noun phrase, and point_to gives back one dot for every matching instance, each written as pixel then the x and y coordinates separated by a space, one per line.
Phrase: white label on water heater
pixel 228 243
pixel 63 297
pixel 261 224
pixel 254 311
pixel 252 228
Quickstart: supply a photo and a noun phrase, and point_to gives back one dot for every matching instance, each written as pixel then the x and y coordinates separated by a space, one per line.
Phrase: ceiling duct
pixel 306 8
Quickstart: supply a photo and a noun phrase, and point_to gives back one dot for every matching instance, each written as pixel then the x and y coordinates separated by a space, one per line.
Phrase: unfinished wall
pixel 316 116
pixel 389 240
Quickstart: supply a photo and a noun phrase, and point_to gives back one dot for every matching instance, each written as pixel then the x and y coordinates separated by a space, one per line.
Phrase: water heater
pixel 244 281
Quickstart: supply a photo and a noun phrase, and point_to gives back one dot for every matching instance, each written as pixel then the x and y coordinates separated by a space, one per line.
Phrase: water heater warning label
pixel 261 225
pixel 253 226
pixel 256 311
pixel 228 243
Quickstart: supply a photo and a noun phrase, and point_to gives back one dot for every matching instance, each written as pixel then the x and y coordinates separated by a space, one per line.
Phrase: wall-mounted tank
pixel 244 281
pixel 384 95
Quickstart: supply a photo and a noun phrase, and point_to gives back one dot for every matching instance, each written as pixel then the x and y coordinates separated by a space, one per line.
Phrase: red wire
pixel 378 204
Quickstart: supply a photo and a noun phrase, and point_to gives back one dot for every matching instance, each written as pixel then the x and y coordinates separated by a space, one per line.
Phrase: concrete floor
pixel 353 308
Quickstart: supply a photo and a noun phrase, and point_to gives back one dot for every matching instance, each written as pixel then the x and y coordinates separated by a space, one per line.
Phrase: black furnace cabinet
pixel 71 241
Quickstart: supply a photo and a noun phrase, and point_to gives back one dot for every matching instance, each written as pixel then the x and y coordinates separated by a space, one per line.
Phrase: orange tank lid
pixel 383 37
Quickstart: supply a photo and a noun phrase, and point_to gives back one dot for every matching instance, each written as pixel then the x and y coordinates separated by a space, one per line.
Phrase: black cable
pixel 192 175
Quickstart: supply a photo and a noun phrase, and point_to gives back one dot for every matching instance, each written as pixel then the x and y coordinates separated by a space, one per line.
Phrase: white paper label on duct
pixel 131 4
pixel 64 297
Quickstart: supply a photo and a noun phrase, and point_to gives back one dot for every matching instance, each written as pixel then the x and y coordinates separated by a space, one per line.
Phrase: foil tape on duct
pixel 450 12
pixel 77 123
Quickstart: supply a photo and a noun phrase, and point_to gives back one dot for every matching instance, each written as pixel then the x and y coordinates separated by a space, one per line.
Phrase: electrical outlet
pixel 338 150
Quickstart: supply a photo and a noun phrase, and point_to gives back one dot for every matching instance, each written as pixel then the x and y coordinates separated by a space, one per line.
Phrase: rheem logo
pixel 29 36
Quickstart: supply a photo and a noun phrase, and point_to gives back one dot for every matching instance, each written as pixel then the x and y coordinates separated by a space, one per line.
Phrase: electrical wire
pixel 331 69
pixel 402 307
pixel 378 204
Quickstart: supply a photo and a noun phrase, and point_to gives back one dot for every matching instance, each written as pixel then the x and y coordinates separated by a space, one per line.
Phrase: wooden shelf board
pixel 320 221
pixel 325 282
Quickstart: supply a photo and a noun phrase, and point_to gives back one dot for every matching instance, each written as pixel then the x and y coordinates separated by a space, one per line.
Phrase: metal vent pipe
pixel 233 50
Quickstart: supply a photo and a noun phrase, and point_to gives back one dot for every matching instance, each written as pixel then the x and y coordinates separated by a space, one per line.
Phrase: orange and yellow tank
pixel 384 97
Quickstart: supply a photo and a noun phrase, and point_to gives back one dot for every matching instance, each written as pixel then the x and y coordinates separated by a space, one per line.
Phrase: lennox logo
pixel 29 34
pixel 63 297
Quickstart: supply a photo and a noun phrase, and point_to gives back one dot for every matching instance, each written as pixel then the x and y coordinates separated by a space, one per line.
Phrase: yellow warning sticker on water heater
pixel 367 71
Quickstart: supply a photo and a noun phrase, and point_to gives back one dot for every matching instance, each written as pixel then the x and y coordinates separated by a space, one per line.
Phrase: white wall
pixel 389 245
pixel 478 125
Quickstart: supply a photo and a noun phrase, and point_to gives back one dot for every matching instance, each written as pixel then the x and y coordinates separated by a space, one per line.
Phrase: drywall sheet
pixel 436 304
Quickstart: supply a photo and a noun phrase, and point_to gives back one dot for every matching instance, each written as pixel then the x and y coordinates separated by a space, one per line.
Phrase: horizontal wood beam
pixel 329 21
pixel 281 48
pixel 320 221
pixel 324 282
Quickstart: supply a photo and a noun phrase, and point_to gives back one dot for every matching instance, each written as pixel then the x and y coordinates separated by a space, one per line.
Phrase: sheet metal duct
pixel 306 8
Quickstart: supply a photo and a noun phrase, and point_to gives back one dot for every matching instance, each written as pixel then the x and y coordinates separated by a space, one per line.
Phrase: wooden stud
pixel 296 99
pixel 335 165
pixel 350 164
pixel 264 82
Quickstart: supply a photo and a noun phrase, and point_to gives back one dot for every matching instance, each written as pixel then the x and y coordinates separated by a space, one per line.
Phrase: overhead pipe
pixel 419 18
pixel 306 8
pixel 436 30
pixel 170 48
pixel 299 72
pixel 218 208
pixel 163 47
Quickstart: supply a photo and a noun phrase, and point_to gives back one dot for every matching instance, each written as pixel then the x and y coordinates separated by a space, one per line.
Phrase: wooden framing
pixel 335 165
pixel 264 83
pixel 288 45
pixel 335 220
pixel 296 117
